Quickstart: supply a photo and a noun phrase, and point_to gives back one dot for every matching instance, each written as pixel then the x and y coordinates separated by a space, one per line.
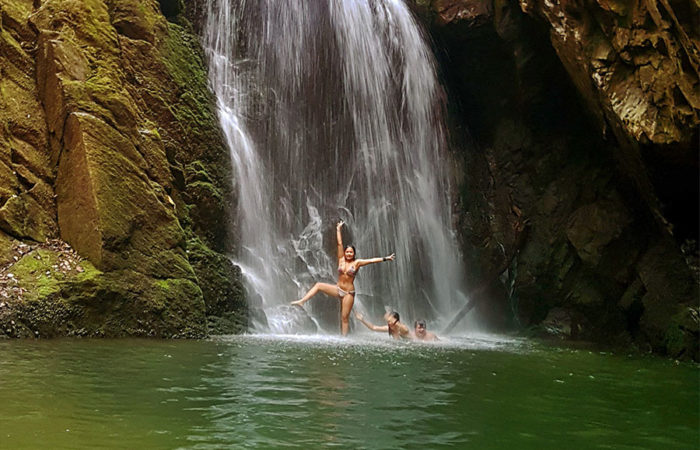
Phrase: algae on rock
pixel 116 105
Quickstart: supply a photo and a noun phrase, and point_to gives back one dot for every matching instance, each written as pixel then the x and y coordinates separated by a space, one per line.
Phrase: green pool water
pixel 315 392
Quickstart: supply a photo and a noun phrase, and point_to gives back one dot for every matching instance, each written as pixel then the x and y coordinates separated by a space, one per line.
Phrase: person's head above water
pixel 420 328
pixel 349 253
pixel 391 317
pixel 394 326
pixel 420 331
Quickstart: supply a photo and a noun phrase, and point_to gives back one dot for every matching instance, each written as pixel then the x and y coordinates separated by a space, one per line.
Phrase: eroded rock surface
pixel 637 62
pixel 107 121
pixel 579 142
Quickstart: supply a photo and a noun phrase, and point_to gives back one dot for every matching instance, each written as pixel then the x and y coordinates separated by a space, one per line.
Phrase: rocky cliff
pixel 577 126
pixel 114 178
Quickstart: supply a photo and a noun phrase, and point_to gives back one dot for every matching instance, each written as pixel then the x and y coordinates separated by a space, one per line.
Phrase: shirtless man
pixel 421 333
pixel 396 329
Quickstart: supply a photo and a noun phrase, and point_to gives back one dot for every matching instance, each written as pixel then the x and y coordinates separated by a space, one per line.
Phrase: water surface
pixel 366 392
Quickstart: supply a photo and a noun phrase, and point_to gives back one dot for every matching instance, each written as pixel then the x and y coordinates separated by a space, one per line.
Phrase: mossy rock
pixel 8 181
pixel 137 19
pixel 23 217
pixel 126 100
pixel 115 215
pixel 208 212
pixel 34 283
pixel 682 337
pixel 5 248
pixel 234 322
pixel 40 273
pixel 196 171
pixel 220 280
pixel 128 303
pixel 54 297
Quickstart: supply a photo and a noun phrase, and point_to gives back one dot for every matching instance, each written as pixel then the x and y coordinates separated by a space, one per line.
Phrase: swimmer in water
pixel 396 329
pixel 348 266
pixel 421 333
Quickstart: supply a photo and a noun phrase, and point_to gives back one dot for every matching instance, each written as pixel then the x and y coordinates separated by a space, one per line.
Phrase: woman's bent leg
pixel 328 289
pixel 345 308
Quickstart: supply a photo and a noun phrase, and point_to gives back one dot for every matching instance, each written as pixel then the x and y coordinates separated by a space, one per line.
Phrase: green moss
pixel 103 95
pixel 202 190
pixel 196 171
pixel 208 213
pixel 220 280
pixel 94 29
pixel 182 55
pixel 42 273
pixel 674 340
pixel 151 128
pixel 35 272
pixel 681 338
pixel 5 248
pixel 24 217
pixel 120 303
pixel 170 263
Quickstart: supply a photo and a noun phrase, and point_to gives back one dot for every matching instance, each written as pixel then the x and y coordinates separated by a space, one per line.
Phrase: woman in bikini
pixel 345 289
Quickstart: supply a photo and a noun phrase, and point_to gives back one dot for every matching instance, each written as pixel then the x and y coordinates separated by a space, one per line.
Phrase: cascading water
pixel 332 110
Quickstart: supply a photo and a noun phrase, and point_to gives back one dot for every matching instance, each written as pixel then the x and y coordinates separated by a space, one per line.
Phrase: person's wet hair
pixel 421 323
pixel 394 314
pixel 353 249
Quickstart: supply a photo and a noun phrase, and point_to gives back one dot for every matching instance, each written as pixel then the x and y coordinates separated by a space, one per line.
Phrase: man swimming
pixel 421 333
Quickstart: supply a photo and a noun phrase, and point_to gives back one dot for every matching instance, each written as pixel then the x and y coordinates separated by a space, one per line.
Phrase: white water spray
pixel 332 110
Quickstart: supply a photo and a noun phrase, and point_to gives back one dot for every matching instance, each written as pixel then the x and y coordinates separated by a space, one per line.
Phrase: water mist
pixel 332 110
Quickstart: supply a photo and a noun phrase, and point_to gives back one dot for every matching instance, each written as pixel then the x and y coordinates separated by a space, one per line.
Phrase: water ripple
pixel 310 391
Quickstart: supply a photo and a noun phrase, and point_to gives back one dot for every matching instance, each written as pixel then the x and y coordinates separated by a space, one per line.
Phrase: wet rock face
pixel 105 107
pixel 636 61
pixel 637 66
pixel 577 159
pixel 473 12
pixel 27 208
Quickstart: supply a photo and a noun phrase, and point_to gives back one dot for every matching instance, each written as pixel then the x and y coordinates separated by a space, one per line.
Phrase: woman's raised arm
pixel 339 236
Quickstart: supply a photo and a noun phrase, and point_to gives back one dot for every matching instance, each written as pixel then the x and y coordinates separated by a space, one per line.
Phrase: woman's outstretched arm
pixel 339 236
pixel 364 262
pixel 369 325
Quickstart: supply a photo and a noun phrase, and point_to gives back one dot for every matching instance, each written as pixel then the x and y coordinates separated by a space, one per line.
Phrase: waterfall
pixel 332 110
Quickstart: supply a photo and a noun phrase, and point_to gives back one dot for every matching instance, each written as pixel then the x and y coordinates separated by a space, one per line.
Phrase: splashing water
pixel 332 110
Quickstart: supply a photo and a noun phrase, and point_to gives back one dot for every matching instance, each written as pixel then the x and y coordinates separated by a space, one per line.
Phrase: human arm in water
pixel 363 262
pixel 339 236
pixel 369 325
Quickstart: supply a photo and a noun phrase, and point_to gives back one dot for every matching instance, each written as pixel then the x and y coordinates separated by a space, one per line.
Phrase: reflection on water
pixel 316 391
